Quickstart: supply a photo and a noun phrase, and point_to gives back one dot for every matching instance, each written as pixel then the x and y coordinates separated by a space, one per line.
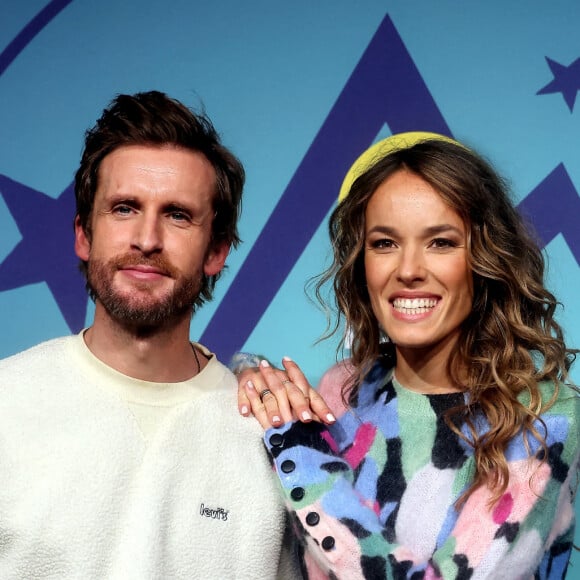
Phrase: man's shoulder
pixel 220 400
pixel 44 353
pixel 216 375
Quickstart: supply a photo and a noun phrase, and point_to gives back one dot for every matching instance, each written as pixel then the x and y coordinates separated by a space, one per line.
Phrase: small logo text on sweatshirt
pixel 214 513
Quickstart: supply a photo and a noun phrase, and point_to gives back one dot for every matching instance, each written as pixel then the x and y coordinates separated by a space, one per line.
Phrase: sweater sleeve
pixel 529 531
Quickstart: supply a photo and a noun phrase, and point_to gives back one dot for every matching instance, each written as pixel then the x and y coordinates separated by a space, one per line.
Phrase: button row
pixel 288 466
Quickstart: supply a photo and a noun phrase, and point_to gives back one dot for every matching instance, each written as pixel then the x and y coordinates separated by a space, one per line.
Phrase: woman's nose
pixel 411 265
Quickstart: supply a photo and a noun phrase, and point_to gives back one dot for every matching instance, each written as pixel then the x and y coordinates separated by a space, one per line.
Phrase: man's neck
pixel 160 355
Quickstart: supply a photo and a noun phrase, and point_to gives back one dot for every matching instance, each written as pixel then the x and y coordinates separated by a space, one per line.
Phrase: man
pixel 121 451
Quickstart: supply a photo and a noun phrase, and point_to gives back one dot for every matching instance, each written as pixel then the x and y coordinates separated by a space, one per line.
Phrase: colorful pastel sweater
pixel 373 496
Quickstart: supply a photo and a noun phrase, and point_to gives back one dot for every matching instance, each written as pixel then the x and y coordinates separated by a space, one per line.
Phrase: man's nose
pixel 148 235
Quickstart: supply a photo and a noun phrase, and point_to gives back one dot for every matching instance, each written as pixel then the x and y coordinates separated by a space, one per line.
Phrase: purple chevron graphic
pixel 385 87
pixel 553 206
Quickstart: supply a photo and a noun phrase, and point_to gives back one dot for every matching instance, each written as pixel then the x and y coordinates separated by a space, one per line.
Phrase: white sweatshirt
pixel 85 494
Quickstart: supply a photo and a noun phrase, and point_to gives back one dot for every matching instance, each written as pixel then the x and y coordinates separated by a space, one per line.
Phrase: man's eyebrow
pixel 121 198
pixel 173 205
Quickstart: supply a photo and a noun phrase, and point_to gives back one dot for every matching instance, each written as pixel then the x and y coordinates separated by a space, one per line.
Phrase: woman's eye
pixel 443 243
pixel 382 244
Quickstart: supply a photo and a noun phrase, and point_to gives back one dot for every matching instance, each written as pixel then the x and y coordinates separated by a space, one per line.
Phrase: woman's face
pixel 416 263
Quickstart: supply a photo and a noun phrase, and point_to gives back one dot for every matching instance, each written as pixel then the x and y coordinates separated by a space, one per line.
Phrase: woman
pixel 455 451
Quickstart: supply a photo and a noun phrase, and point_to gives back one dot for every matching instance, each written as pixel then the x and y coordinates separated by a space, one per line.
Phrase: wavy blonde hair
pixel 509 342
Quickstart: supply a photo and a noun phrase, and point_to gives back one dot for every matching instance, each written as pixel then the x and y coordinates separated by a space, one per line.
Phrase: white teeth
pixel 414 305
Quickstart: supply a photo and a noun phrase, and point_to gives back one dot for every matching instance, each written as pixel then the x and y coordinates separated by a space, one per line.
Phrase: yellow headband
pixel 383 148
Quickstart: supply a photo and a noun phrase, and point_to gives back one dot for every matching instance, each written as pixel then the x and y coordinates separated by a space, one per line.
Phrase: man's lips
pixel 142 272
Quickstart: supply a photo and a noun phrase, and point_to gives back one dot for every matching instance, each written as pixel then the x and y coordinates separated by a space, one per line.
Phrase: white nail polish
pixel 287 358
pixel 276 419
pixel 244 410
pixel 330 418
pixel 264 363
pixel 250 385
pixel 306 415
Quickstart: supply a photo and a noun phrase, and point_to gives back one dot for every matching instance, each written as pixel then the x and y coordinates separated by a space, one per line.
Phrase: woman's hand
pixel 276 396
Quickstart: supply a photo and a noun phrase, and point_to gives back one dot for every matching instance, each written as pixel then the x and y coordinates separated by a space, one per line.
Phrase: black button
pixel 328 543
pixel 297 493
pixel 312 518
pixel 276 440
pixel 288 466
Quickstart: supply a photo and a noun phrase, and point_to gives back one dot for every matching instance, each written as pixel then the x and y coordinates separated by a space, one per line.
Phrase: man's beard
pixel 140 309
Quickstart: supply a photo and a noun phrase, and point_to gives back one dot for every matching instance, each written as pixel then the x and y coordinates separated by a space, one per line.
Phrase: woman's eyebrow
pixel 429 231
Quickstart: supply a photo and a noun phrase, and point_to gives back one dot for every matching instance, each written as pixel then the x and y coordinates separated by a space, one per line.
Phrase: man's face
pixel 150 234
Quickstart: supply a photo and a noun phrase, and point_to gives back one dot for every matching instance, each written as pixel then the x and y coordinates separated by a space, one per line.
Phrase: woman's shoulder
pixel 344 375
pixel 332 382
pixel 562 415
pixel 563 399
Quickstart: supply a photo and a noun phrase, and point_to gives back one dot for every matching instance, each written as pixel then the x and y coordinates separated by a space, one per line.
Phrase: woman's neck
pixel 424 373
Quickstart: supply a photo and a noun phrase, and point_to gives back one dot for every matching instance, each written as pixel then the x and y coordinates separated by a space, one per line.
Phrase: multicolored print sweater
pixel 373 496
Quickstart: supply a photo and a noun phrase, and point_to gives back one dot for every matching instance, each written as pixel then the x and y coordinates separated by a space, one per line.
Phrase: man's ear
pixel 82 243
pixel 216 259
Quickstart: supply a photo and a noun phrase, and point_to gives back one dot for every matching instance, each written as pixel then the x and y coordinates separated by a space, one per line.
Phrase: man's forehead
pixel 151 165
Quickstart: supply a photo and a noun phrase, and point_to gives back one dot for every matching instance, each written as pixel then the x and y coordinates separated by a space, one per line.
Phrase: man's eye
pixel 179 216
pixel 122 210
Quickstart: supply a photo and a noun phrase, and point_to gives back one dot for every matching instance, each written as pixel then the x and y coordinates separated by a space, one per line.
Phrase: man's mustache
pixel 157 262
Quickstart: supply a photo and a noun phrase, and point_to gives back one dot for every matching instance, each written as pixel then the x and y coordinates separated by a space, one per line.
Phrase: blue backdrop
pixel 297 90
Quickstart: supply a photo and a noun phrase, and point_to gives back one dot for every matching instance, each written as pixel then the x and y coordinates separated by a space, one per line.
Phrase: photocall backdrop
pixel 298 90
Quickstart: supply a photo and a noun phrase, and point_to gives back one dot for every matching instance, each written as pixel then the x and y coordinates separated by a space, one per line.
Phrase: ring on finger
pixel 264 393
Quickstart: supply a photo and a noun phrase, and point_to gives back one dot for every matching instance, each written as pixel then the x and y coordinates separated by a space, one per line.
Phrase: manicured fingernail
pixel 244 410
pixel 330 418
pixel 306 415
pixel 264 363
pixel 250 385
pixel 276 419
pixel 286 358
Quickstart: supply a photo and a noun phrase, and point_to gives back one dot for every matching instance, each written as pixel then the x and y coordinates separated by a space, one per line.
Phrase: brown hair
pixel 509 342
pixel 153 118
